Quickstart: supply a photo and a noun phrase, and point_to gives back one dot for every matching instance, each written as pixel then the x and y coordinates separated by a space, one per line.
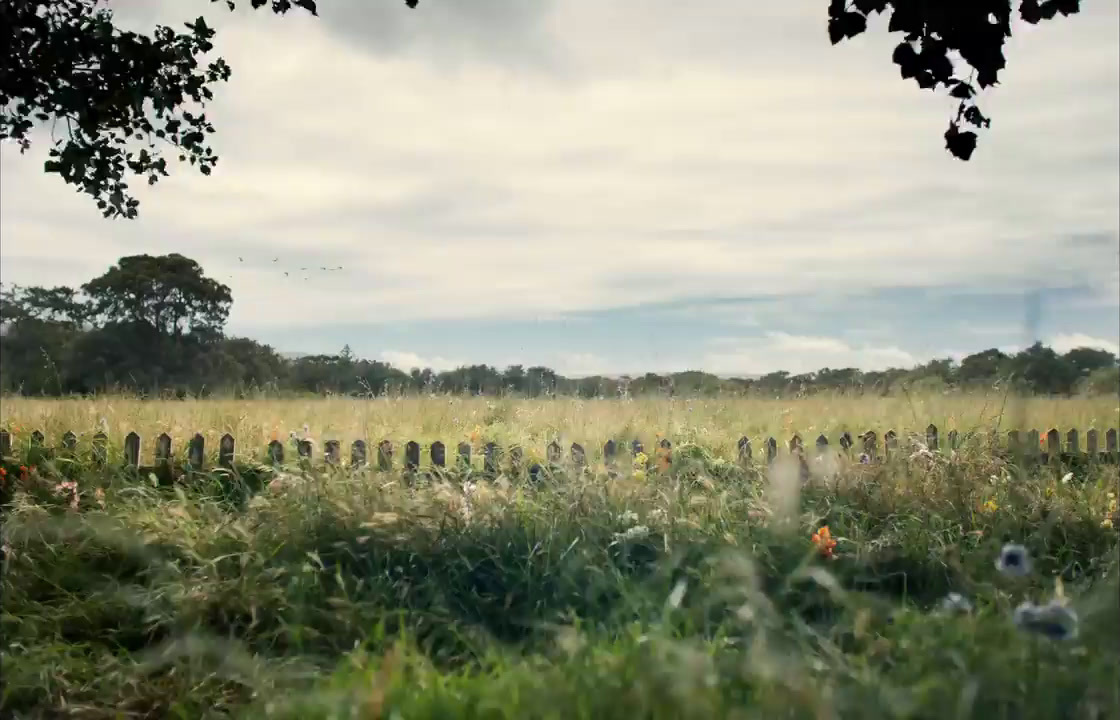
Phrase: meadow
pixel 951 583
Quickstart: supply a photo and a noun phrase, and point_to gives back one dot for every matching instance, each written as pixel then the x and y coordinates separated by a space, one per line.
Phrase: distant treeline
pixel 154 325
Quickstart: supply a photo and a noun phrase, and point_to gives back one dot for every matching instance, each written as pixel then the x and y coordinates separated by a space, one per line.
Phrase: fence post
pixel 516 460
pixel 385 456
pixel 490 457
pixel 5 443
pixel 464 460
pixel 954 440
pixel 1110 445
pixel 358 454
pixel 890 444
pixel 579 457
pixel 932 441
pixel 69 443
pixel 846 442
pixel 1053 446
pixel 196 452
pixel 744 450
pixel 132 449
pixel 332 452
pixel 1073 444
pixel 1092 446
pixel 439 454
pixel 163 457
pixel 553 453
pixel 771 450
pixel 411 456
pixel 870 445
pixel 276 452
pixel 225 451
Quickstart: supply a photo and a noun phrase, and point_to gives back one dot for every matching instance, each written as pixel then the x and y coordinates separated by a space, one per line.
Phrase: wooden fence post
pixel 1053 446
pixel 870 445
pixel 1073 444
pixel 553 453
pixel 358 454
pixel 132 449
pixel 890 444
pixel 69 443
pixel 1110 445
pixel 822 444
pixel 196 452
pixel 226 451
pixel 1031 451
pixel 744 450
pixel 932 440
pixel 439 454
pixel 464 459
pixel 385 456
pixel 411 456
pixel 771 450
pixel 579 457
pixel 490 459
pixel 5 443
pixel 163 457
pixel 276 452
pixel 846 442
pixel 332 452
pixel 954 440
pixel 1092 446
pixel 516 460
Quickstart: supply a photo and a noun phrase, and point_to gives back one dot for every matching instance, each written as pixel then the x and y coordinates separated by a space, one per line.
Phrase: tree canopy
pixel 156 324
pixel 116 99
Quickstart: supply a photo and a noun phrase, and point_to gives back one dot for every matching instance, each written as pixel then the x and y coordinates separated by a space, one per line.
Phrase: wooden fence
pixel 1029 447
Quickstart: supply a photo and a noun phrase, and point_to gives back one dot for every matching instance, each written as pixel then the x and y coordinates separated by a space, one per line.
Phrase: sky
pixel 619 188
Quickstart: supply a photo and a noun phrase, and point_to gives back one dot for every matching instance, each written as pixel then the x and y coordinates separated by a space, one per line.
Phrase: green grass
pixel 358 595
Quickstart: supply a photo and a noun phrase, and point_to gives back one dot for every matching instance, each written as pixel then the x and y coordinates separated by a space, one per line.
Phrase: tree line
pixel 155 325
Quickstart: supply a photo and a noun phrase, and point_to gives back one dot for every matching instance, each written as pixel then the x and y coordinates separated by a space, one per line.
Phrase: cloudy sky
pixel 620 187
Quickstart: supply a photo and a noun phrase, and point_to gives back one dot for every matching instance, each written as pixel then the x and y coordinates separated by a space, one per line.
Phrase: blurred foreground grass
pixel 697 592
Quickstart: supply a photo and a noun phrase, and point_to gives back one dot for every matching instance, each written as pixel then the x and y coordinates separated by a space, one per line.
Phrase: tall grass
pixel 695 592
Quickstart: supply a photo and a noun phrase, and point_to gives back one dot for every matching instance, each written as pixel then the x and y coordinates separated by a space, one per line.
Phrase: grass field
pixel 703 590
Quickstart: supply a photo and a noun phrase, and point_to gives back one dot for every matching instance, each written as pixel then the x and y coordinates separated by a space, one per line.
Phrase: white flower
pixel 956 603
pixel 636 532
pixel 1054 619
pixel 1014 560
pixel 677 595
pixel 629 517
pixel 1066 478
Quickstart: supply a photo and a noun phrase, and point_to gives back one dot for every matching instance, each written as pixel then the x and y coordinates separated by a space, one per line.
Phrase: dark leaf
pixel 960 144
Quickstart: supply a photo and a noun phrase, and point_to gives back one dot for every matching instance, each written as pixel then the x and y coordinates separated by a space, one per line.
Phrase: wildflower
pixel 1014 560
pixel 641 459
pixel 637 532
pixel 824 542
pixel 640 475
pixel 677 595
pixel 864 459
pixel 956 603
pixel 1055 620
pixel 629 517
pixel 990 506
pixel 1066 478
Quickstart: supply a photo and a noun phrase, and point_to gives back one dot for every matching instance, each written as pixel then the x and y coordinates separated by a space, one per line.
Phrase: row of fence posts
pixel 492 453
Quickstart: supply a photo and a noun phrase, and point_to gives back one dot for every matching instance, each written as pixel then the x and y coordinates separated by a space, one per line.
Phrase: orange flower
pixel 824 542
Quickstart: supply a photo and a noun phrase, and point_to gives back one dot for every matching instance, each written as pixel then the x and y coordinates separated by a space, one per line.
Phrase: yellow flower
pixel 1106 523
pixel 640 460
pixel 990 506
pixel 639 474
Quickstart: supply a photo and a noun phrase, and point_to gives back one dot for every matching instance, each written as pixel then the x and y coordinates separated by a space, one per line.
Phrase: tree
pixel 934 32
pixel 103 89
pixel 168 293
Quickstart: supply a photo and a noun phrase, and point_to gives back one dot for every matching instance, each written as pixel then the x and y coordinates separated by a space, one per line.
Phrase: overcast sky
pixel 620 187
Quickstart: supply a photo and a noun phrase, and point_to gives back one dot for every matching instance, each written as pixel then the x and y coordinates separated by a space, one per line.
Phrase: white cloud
pixel 648 152
pixel 800 354
pixel 405 360
pixel 1064 342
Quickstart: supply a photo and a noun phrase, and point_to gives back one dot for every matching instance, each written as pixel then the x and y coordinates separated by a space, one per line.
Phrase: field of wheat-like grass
pixel 951 582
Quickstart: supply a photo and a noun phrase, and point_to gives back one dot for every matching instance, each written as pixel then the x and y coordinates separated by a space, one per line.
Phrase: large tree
pixel 115 98
pixel 167 293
